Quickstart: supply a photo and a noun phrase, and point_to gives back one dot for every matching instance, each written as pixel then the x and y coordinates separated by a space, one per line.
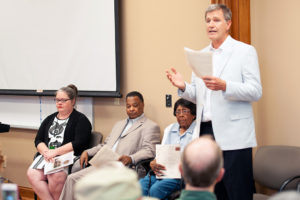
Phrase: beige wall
pixel 153 34
pixel 275 34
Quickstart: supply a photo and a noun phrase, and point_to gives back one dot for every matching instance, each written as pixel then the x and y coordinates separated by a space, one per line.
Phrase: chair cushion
pixel 260 197
pixel 274 164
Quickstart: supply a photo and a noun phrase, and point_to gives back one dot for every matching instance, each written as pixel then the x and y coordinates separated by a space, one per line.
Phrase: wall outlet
pixel 168 100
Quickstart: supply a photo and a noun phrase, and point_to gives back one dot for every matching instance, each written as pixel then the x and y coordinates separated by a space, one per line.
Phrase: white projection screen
pixel 47 44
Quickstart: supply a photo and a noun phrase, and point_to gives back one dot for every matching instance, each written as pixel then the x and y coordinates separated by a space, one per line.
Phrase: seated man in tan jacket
pixel 133 138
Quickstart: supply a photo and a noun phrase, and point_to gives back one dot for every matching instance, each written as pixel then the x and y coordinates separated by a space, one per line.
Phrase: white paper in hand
pixel 105 154
pixel 168 155
pixel 200 62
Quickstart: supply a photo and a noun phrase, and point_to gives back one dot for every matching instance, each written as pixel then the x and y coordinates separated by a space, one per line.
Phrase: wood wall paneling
pixel 240 28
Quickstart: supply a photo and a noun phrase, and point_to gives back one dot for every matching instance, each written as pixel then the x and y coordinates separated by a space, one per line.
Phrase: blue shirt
pixel 172 135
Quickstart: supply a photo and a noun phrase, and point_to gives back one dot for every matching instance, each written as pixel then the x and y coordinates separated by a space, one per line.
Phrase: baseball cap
pixel 109 182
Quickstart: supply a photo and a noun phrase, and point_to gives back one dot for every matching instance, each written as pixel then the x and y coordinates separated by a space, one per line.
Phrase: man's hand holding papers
pixel 200 62
pixel 214 83
pixel 105 154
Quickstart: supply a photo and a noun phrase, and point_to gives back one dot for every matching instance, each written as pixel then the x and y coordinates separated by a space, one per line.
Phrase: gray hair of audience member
pixel 226 11
pixel 110 181
pixel 287 195
pixel 201 162
pixel 70 90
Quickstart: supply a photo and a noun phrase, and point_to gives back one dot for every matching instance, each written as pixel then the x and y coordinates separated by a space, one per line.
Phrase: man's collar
pixel 224 45
pixel 136 119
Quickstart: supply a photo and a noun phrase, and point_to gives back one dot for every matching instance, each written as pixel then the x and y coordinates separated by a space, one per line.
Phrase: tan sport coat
pixel 138 142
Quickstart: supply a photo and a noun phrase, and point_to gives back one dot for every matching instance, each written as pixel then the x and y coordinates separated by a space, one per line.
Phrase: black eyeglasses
pixel 61 100
pixel 184 112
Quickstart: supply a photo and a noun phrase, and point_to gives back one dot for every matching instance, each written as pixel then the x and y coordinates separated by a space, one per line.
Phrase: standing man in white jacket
pixel 224 100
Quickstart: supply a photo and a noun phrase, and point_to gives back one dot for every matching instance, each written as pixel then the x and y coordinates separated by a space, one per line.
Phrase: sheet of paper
pixel 200 62
pixel 104 155
pixel 169 156
pixel 60 162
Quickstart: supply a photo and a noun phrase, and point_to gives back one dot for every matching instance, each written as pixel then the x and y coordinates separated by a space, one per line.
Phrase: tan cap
pixel 286 195
pixel 109 183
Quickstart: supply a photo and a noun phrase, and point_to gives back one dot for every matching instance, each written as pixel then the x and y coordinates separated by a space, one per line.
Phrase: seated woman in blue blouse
pixel 61 132
pixel 181 133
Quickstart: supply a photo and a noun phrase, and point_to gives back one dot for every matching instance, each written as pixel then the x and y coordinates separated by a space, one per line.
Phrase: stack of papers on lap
pixel 60 162
pixel 200 62
pixel 105 154
pixel 168 155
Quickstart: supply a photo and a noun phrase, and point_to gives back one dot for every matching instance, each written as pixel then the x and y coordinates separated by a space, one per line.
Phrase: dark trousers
pixel 237 183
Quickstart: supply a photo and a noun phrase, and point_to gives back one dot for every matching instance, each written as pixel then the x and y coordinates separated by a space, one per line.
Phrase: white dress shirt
pixel 219 55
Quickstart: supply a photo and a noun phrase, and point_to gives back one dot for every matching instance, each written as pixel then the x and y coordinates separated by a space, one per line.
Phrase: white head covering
pixel 286 195
pixel 110 182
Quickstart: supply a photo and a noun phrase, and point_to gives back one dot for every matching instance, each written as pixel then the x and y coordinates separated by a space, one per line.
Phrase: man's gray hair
pixel 226 11
pixel 206 175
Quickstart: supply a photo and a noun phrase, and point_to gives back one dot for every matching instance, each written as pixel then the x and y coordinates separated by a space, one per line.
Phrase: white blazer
pixel 232 115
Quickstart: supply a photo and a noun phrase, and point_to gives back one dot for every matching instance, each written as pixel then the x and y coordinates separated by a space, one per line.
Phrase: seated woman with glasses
pixel 181 132
pixel 61 132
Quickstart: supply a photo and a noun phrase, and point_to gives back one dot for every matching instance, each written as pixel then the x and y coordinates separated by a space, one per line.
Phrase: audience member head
pixel 202 164
pixel 134 104
pixel 287 195
pixel 111 181
pixel 186 104
pixel 65 98
pixel 185 112
pixel 226 11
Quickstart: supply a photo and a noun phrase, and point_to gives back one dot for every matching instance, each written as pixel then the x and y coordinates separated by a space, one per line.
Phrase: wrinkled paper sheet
pixel 200 62
pixel 168 155
pixel 105 154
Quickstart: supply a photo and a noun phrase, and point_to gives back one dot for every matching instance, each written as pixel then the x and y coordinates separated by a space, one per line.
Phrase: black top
pixel 4 128
pixel 78 131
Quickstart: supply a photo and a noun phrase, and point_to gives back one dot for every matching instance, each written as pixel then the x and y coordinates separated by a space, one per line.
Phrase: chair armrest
pixel 289 180
pixel 142 167
pixel 87 165
pixel 74 160
pixel 144 163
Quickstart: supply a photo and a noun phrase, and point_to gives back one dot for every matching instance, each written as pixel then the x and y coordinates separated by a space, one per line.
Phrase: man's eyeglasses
pixel 184 112
pixel 61 100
